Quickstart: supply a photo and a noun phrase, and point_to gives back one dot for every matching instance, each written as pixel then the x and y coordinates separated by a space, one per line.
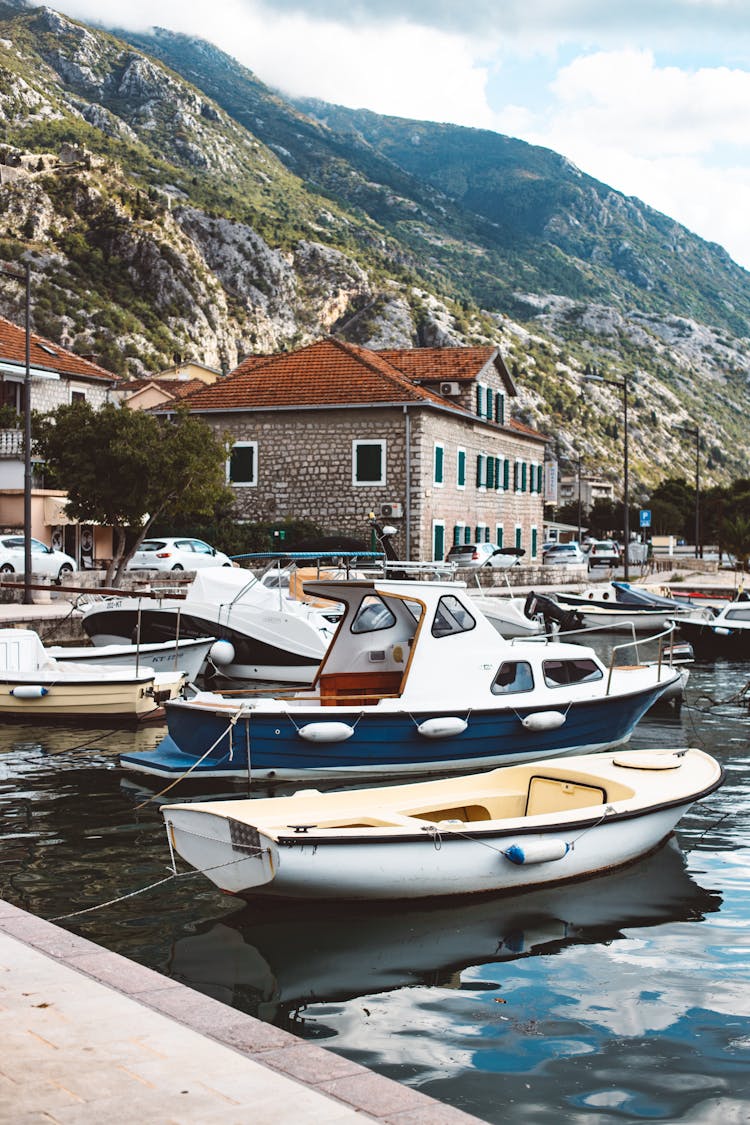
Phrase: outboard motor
pixel 553 614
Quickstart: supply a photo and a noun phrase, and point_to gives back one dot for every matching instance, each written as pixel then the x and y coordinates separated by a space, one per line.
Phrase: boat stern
pixel 232 854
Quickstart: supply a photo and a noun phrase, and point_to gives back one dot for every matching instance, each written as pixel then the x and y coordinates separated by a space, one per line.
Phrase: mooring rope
pixel 155 796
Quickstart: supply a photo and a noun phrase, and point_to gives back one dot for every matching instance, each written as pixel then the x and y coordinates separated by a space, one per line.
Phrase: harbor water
pixel 616 999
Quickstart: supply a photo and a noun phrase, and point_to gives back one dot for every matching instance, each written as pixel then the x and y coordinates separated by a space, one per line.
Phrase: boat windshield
pixel 451 617
pixel 373 614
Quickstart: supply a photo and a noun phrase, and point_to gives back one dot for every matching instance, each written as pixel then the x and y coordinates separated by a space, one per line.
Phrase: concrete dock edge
pixel 55 1067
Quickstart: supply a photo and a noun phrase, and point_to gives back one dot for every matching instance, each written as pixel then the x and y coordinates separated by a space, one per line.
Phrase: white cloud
pixel 675 138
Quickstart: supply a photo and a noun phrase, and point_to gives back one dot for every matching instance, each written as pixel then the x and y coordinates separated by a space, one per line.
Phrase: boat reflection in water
pixel 271 958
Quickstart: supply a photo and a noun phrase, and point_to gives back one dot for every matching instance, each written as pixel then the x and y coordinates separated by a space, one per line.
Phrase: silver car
pixel 563 554
pixel 484 554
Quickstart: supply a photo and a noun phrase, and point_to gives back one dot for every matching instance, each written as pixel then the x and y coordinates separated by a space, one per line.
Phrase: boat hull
pixel 711 641
pixel 184 655
pixel 86 700
pixel 229 741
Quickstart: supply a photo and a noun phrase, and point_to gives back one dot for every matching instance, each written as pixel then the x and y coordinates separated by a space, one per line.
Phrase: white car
pixel 176 554
pixel 484 554
pixel 44 560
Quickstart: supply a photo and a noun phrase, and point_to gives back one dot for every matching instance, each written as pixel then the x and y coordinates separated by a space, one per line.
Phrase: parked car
pixel 44 560
pixel 604 552
pixel 563 553
pixel 176 554
pixel 483 554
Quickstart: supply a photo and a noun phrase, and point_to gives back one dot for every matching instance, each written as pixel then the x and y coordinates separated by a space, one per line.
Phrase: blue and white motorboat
pixel 416 681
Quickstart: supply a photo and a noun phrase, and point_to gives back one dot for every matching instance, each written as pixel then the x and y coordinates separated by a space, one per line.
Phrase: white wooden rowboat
pixel 506 829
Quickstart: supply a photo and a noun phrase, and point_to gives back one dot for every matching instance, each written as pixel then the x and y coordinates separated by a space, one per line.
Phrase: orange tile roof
pixel 45 353
pixel 460 364
pixel 327 373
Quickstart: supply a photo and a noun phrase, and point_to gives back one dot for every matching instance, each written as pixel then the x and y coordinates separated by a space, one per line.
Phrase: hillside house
pixel 424 439
pixel 58 376
pixel 167 386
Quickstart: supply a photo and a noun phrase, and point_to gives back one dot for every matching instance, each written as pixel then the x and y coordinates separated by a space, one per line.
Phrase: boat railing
pixel 635 643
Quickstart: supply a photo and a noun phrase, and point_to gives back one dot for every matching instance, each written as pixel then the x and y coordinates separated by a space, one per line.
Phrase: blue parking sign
pixel 645 517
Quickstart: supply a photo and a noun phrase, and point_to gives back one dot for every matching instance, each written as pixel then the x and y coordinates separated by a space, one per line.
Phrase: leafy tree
pixel 126 469
pixel 734 537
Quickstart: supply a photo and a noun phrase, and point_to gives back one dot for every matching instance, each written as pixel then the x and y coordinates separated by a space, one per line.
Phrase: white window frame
pixel 243 483
pixel 383 449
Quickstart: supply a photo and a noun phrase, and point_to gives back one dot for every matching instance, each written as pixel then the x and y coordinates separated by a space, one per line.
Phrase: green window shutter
pixel 515 476
pixel 499 535
pixel 506 474
pixel 480 398
pixel 438 464
pixel 457 534
pixel 490 396
pixel 500 408
pixel 438 541
pixel 490 481
pixel 523 476
pixel 534 536
pixel 480 470
pixel 486 535
pixel 498 473
pixel 461 468
pixel 467 534
pixel 518 538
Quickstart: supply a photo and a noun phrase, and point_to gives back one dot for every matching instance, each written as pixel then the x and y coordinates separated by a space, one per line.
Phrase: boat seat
pixel 557 794
pixel 337 688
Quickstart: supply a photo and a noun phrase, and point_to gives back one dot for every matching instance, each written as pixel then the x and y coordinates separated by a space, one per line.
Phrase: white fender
pixel 326 732
pixel 536 851
pixel 444 727
pixel 543 720
pixel 28 691
pixel 221 652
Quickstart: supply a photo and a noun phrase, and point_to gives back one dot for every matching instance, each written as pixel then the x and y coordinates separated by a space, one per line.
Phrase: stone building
pixel 422 438
pixel 56 377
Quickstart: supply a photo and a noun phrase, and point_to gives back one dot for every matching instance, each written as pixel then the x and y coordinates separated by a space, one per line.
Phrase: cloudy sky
pixel 650 96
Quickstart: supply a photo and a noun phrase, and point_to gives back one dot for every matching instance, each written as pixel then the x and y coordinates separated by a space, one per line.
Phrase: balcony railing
pixel 11 444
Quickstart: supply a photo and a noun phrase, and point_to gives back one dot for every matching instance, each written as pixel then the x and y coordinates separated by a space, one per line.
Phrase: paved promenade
pixel 89 1038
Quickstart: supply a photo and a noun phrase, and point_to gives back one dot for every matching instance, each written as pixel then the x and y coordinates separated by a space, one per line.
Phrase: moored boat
pixel 416 681
pixel 266 635
pixel 506 829
pixel 727 634
pixel 182 654
pixel 621 607
pixel 35 686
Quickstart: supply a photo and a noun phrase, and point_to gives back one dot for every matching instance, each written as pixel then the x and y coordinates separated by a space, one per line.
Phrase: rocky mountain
pixel 171 204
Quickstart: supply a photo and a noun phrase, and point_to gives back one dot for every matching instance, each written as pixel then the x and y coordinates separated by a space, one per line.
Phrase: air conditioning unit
pixel 392 510
pixel 450 388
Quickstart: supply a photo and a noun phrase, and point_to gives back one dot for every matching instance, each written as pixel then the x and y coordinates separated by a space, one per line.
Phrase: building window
pixel 458 534
pixel 534 542
pixel 461 468
pixel 498 473
pixel 438 540
pixel 438 464
pixel 467 534
pixel 77 396
pixel 368 462
pixel 499 534
pixel 519 536
pixel 242 463
pixel 483 533
pixel 500 408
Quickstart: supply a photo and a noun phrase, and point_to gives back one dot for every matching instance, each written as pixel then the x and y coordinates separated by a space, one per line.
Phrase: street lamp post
pixel 26 278
pixel 694 432
pixel 621 384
